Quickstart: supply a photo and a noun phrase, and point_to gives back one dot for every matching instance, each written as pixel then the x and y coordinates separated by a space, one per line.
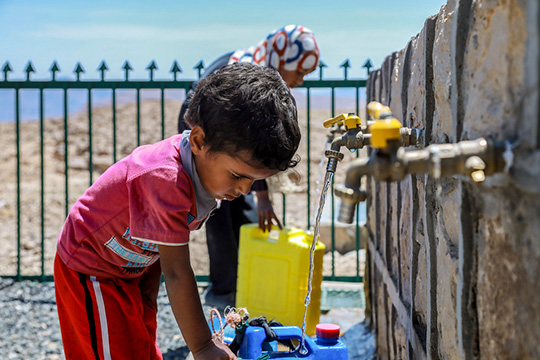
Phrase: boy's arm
pixel 186 304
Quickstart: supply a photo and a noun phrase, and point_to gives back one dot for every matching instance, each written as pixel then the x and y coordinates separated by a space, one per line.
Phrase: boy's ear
pixel 196 140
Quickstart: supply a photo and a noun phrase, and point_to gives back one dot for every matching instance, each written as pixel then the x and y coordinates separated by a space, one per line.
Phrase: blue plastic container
pixel 326 346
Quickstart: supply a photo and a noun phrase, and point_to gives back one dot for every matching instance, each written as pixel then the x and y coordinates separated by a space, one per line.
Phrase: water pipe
pixel 390 162
pixel 354 136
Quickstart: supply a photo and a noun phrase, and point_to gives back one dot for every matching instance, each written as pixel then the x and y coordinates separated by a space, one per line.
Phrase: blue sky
pixel 188 31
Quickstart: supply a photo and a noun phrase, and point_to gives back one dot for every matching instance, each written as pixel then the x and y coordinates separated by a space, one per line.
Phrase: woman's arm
pixel 186 304
pixel 265 211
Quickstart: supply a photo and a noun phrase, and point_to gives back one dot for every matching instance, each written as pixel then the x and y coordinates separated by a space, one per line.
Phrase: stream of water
pixel 327 181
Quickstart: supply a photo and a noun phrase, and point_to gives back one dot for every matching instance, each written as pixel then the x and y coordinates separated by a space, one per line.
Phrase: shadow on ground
pixel 178 354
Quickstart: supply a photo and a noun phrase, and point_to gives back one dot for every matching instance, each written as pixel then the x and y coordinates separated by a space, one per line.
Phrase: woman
pixel 293 51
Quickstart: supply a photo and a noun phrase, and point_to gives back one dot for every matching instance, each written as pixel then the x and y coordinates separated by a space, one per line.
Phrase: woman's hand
pixel 214 350
pixel 265 211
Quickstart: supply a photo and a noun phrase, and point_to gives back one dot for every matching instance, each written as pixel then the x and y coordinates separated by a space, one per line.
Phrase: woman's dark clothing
pixel 215 65
pixel 223 226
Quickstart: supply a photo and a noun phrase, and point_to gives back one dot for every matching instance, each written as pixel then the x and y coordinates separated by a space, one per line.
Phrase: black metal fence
pixel 14 212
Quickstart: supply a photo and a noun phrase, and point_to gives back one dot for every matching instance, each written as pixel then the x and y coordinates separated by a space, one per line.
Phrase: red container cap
pixel 327 331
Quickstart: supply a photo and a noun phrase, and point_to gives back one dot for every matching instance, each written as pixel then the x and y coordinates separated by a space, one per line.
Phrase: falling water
pixel 327 180
pixel 319 178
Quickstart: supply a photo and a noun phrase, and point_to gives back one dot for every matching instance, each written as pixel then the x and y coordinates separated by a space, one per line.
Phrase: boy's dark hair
pixel 246 107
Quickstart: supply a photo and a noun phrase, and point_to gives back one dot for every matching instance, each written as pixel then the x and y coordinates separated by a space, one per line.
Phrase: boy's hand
pixel 265 211
pixel 214 350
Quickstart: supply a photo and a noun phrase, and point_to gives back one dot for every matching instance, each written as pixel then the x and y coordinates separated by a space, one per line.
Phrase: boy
pixel 134 222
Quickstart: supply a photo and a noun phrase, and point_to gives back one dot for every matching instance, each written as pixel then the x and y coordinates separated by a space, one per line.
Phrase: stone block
pixel 416 88
pixel 442 69
pixel 447 273
pixel 396 74
pixel 493 70
pixel 405 238
pixel 383 350
pixel 508 274
pixel 420 278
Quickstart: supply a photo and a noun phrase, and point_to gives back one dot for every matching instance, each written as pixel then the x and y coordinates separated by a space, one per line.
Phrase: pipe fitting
pixel 333 158
pixel 474 167
pixel 349 198
pixel 411 136
pixel 474 158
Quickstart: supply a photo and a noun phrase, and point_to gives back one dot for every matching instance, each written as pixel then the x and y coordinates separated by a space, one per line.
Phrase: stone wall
pixel 456 274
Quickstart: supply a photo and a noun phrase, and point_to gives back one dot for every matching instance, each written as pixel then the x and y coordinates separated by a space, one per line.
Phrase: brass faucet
pixel 390 162
pixel 354 136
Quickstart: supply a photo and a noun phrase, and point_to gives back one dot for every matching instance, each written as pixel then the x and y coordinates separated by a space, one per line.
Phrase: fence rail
pixel 42 86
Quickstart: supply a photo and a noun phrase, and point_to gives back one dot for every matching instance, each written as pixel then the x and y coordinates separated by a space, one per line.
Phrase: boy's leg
pixel 103 318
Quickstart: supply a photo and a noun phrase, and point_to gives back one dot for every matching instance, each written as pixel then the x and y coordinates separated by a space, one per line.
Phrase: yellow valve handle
pixel 378 111
pixel 386 128
pixel 351 121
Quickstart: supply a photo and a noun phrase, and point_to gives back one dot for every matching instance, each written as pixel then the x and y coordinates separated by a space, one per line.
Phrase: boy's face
pixel 224 176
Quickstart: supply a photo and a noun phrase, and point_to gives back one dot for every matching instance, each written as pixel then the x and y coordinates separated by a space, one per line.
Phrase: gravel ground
pixel 30 329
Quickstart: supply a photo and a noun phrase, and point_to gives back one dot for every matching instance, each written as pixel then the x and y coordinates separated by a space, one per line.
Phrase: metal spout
pixel 474 158
pixel 350 193
pixel 333 158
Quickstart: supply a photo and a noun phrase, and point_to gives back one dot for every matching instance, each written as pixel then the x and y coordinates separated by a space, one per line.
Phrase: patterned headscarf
pixel 293 47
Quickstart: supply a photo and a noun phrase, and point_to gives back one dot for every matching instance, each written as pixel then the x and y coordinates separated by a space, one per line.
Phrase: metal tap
pixel 354 136
pixel 390 162
pixel 378 111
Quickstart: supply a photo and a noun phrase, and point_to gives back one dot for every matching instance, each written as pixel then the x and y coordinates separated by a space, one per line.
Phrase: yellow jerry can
pixel 273 270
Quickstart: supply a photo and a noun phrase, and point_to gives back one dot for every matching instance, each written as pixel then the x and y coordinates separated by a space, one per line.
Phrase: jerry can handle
pixel 292 332
pixel 287 332
pixel 257 233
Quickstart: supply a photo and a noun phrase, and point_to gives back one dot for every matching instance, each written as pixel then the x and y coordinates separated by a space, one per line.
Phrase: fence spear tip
pixel 54 67
pixel 199 65
pixel 175 67
pixel 78 68
pixel 29 69
pixel 345 64
pixel 6 67
pixel 127 66
pixel 152 66
pixel 103 66
pixel 321 66
pixel 368 65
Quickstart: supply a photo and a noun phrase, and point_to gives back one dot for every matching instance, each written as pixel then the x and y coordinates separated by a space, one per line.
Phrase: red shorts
pixel 104 318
